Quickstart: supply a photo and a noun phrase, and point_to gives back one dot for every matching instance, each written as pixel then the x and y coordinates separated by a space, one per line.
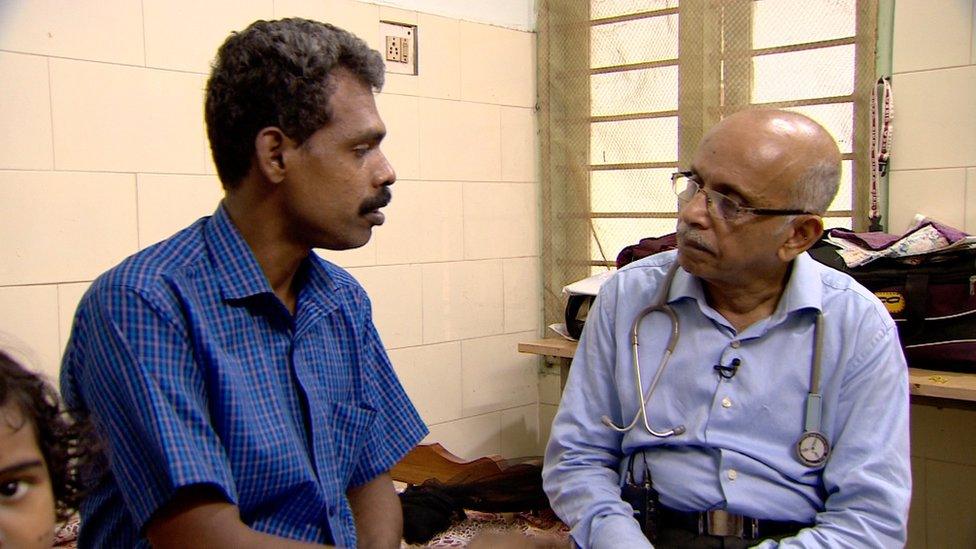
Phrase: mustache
pixel 379 201
pixel 691 236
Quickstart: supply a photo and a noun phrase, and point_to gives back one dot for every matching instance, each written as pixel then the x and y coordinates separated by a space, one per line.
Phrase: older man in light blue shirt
pixel 747 298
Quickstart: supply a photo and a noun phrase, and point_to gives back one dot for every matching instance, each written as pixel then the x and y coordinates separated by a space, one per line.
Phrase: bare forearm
pixel 376 508
pixel 199 517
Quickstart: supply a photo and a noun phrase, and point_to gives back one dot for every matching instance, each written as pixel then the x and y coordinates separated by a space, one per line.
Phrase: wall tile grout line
pixel 50 111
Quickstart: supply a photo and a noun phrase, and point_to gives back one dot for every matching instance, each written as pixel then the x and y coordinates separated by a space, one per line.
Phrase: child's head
pixel 38 449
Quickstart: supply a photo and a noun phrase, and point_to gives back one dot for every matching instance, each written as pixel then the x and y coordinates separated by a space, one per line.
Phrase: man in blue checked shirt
pixel 237 381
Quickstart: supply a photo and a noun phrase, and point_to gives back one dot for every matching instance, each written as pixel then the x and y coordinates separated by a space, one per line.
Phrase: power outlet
pixel 400 42
pixel 397 49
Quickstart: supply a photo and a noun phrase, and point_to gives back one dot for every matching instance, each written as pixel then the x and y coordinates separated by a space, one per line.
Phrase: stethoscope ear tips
pixel 608 422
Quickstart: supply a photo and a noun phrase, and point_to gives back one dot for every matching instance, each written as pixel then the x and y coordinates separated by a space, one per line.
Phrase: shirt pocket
pixel 350 425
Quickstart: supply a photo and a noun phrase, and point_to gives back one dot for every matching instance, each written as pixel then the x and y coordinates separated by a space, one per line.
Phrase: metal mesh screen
pixel 628 88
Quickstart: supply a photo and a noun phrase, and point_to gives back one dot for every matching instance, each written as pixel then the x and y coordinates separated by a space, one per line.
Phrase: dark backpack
pixel 932 299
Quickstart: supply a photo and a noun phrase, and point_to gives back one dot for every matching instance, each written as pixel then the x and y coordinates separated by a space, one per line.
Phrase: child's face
pixel 26 500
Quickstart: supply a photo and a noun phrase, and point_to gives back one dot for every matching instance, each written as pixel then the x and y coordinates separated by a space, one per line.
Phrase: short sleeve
pixel 397 427
pixel 131 368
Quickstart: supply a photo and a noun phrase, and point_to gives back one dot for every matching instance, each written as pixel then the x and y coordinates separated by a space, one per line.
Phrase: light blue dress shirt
pixel 738 452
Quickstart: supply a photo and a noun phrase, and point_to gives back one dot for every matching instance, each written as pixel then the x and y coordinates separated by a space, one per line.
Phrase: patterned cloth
pixel 541 526
pixel 195 373
pixel 926 236
pixel 66 536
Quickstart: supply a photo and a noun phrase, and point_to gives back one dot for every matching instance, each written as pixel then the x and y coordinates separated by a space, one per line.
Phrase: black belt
pixel 723 523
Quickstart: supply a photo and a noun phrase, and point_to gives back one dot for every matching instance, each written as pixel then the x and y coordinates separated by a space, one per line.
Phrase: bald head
pixel 790 149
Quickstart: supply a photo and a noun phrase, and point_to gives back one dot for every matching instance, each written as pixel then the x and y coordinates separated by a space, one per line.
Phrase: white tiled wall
pixel 61 226
pixel 26 106
pixel 126 119
pixel 934 173
pixel 934 83
pixel 110 31
pixel 103 151
pixel 462 300
pixel 167 203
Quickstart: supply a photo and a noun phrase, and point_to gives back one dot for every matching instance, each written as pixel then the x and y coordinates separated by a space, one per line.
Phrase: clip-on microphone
pixel 728 372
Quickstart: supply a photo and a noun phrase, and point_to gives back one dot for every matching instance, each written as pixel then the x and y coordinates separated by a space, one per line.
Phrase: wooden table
pixel 925 383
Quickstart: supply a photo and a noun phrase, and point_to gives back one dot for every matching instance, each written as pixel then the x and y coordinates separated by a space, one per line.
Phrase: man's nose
pixel 695 211
pixel 385 175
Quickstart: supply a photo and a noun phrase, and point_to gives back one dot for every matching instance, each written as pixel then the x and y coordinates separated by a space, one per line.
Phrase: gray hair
pixel 816 188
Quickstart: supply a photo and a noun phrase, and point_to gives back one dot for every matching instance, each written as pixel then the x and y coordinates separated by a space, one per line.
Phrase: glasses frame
pixel 712 197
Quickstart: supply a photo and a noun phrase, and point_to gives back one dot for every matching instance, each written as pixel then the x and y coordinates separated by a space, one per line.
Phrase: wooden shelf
pixel 929 383
pixel 934 383
pixel 552 346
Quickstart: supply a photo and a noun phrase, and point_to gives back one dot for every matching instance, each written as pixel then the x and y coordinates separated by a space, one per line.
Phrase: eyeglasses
pixel 685 188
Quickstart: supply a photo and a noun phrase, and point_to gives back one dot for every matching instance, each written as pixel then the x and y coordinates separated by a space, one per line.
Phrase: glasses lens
pixel 718 204
pixel 724 206
pixel 684 187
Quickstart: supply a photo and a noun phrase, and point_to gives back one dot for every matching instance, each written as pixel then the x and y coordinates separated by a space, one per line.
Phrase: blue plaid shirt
pixel 195 373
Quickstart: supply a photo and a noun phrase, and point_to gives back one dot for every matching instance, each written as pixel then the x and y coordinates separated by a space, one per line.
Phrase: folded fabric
pixel 925 236
pixel 880 241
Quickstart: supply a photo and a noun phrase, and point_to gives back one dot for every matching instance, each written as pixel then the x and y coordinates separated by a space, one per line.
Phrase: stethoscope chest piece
pixel 812 449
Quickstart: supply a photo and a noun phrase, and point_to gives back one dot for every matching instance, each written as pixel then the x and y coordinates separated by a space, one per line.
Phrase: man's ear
pixel 803 232
pixel 269 151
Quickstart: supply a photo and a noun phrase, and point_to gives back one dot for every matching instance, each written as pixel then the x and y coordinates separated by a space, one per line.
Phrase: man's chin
pixel 350 242
pixel 690 262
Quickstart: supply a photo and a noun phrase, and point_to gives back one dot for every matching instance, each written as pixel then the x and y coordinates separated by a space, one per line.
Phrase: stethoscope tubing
pixel 814 405
pixel 660 305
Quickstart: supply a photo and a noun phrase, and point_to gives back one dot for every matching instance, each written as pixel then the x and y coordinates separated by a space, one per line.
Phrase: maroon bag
pixel 646 247
pixel 932 299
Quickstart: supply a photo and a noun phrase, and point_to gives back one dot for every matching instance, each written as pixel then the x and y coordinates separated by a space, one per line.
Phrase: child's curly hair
pixel 62 440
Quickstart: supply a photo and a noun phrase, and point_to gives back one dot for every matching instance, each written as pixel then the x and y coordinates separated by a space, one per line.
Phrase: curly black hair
pixel 64 442
pixel 277 73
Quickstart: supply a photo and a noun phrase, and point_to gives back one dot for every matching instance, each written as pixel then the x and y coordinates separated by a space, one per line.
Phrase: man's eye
pixel 729 206
pixel 362 150
pixel 12 490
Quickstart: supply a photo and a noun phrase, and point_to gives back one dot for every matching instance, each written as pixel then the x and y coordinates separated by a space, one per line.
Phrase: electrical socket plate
pixel 399 47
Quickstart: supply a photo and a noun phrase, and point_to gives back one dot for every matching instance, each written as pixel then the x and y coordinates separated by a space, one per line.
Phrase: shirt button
pixel 733 474
pixel 736 344
pixel 726 402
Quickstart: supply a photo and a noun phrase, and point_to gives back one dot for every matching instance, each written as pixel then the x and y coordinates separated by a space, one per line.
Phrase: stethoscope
pixel 812 448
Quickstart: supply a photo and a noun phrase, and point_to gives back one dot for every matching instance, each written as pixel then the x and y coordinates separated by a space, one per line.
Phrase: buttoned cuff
pixel 615 531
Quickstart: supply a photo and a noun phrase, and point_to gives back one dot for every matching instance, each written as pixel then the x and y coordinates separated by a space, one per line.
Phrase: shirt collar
pixel 319 287
pixel 237 269
pixel 803 289
pixel 240 276
pixel 685 285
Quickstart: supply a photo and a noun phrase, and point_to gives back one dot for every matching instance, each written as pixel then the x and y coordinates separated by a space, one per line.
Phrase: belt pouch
pixel 643 498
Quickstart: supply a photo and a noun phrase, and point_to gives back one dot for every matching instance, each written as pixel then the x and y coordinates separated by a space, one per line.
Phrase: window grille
pixel 628 88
